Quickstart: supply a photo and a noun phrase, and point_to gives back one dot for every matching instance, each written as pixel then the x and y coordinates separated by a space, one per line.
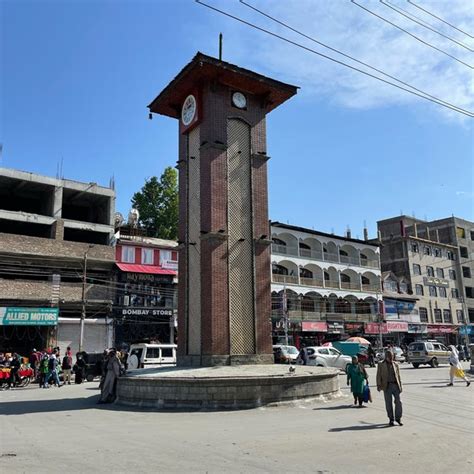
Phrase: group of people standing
pixel 389 382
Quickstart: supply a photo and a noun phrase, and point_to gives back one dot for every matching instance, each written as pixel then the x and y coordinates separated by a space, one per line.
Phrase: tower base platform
pixel 225 387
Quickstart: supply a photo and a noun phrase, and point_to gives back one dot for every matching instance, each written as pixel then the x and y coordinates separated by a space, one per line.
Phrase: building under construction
pixel 56 262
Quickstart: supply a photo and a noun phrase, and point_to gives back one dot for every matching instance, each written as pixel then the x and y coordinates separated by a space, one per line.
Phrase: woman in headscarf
pixel 456 368
pixel 112 372
pixel 357 375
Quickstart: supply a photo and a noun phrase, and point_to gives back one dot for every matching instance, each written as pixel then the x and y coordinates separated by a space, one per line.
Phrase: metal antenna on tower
pixel 220 46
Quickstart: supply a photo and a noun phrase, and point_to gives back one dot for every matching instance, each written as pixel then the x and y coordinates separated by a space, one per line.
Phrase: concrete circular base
pixel 224 387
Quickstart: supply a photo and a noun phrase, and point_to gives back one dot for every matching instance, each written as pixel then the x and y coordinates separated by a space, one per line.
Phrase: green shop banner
pixel 11 316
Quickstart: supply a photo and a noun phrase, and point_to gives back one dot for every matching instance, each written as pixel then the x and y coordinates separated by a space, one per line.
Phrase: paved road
pixel 64 430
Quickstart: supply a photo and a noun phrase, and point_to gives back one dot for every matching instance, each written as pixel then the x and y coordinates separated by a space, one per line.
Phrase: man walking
pixel 52 371
pixel 388 380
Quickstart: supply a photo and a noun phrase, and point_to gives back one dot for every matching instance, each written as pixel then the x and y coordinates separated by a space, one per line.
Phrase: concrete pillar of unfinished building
pixel 58 226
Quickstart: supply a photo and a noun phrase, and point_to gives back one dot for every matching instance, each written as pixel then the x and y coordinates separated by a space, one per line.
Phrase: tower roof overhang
pixel 204 69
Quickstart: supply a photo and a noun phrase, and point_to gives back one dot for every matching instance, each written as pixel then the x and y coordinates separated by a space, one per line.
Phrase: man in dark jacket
pixel 14 369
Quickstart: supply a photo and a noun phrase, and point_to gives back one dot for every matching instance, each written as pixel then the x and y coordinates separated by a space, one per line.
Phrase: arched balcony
pixel 311 248
pixel 370 282
pixel 285 244
pixel 285 272
pixel 349 255
pixel 369 258
pixel 331 278
pixel 350 280
pixel 331 252
pixel 311 275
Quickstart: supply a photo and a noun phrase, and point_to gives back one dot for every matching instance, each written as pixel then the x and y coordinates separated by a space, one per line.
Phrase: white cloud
pixel 344 26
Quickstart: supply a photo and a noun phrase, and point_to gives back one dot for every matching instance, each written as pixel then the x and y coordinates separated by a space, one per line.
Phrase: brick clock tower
pixel 224 297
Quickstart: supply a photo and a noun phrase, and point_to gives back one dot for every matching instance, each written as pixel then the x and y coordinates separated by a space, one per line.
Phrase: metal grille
pixel 241 272
pixel 194 247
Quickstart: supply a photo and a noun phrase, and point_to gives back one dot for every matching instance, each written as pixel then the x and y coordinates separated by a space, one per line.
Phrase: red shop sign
pixel 440 329
pixel 315 326
pixel 376 328
pixel 397 326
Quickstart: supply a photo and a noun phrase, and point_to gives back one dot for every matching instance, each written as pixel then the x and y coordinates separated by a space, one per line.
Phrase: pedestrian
pixel 14 369
pixel 108 392
pixel 357 377
pixel 455 368
pixel 303 356
pixel 460 352
pixel 371 355
pixel 388 381
pixel 43 369
pixel 67 366
pixel 467 353
pixel 79 369
pixel 34 361
pixel 52 371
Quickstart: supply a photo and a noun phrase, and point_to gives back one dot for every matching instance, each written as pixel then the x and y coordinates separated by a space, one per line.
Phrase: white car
pixel 327 357
pixel 151 355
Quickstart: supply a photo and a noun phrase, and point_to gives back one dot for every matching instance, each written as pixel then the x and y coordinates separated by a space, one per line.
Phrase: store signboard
pixel 441 329
pixel 335 327
pixel 314 326
pixel 417 328
pixel 395 308
pixel 466 330
pixel 13 316
pixel 397 326
pixel 376 328
pixel 436 281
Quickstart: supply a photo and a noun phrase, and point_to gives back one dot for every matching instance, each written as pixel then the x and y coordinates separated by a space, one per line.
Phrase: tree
pixel 157 203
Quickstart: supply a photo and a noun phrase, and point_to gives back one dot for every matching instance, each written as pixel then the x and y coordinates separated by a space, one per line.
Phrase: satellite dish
pixel 118 219
pixel 133 217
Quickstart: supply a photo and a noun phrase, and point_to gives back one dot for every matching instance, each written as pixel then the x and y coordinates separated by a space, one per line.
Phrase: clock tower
pixel 224 297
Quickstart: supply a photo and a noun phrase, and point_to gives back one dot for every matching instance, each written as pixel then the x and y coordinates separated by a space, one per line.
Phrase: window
pixel 279 269
pixel 470 313
pixel 440 273
pixel 472 234
pixel 166 352
pixel 460 315
pixel 323 351
pixel 450 255
pixel 447 316
pixel 466 272
pixel 463 252
pixel 437 252
pixel 452 274
pixel 430 271
pixel 403 287
pixel 390 285
pixel 427 250
pixel 461 232
pixel 469 292
pixel 128 254
pixel 419 290
pixel 437 316
pixel 432 290
pixel 454 293
pixel 165 256
pixel 415 248
pixel 442 292
pixel 423 315
pixel 147 256
pixel 416 269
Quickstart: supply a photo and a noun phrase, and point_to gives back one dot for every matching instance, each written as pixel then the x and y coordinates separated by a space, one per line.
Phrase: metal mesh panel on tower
pixel 241 271
pixel 194 246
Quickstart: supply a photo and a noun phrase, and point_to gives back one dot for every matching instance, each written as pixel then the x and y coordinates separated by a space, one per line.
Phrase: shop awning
pixel 151 269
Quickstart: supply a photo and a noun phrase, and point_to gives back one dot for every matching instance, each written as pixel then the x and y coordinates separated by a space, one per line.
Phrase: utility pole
pixel 83 311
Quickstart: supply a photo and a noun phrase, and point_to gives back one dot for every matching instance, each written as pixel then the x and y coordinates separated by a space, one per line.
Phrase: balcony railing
pixel 347 285
pixel 302 315
pixel 368 287
pixel 320 256
pixel 331 284
pixel 289 279
pixel 311 282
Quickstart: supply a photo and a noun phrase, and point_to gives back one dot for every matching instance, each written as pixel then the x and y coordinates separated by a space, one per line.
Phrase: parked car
pixel 397 352
pixel 328 357
pixel 428 352
pixel 285 354
pixel 145 355
pixel 93 362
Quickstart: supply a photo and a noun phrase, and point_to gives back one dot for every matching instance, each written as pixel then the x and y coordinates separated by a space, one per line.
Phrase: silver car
pixel 327 357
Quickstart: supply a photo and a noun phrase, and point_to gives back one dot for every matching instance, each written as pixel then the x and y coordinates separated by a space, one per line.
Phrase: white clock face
pixel 239 100
pixel 189 110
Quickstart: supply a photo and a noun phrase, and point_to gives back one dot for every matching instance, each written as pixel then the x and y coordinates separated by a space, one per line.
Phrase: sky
pixel 76 77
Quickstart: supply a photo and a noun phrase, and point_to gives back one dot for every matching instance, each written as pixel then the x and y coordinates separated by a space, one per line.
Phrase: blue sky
pixel 77 76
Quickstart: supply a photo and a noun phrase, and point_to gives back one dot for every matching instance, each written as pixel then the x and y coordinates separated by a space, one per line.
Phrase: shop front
pixel 313 333
pixel 25 329
pixel 354 329
pixel 396 332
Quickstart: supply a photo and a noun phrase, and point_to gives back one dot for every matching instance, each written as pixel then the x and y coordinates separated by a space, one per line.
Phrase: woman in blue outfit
pixel 357 377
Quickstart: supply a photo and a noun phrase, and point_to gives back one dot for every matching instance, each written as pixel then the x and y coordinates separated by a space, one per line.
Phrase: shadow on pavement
pixel 338 407
pixel 377 426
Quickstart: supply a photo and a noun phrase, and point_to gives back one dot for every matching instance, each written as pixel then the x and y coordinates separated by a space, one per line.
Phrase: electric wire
pixel 419 21
pixel 294 43
pixel 286 25
pixel 440 19
pixel 411 34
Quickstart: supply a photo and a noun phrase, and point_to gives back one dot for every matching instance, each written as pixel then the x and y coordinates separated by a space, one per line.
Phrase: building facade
pixel 430 266
pixel 56 262
pixel 146 289
pixel 327 285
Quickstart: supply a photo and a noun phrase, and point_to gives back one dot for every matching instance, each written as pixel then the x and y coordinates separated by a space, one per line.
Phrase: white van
pixel 151 355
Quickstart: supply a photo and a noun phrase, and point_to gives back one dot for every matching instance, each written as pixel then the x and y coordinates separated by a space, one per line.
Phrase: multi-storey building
pixel 56 261
pixel 430 267
pixel 327 285
pixel 146 283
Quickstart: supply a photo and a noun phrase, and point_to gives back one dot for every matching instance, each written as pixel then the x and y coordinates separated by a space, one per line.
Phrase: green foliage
pixel 157 203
